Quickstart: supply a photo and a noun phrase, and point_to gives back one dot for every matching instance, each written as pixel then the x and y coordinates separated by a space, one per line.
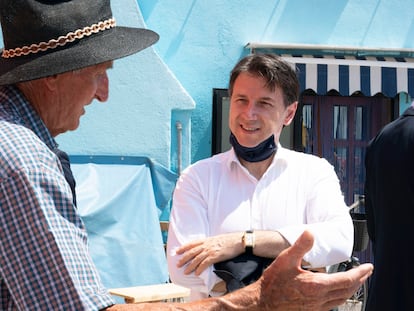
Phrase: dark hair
pixel 276 71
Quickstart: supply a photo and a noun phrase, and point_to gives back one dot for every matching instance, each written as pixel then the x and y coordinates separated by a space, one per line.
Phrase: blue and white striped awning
pixel 347 75
pixel 347 69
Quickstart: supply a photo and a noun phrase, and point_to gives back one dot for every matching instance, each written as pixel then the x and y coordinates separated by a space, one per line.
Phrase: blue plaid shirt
pixel 44 258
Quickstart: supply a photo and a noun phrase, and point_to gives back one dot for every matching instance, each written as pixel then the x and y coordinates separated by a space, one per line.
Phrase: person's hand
pixel 198 255
pixel 284 285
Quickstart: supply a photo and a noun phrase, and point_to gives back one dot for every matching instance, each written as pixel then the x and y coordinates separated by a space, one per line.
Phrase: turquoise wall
pixel 145 103
pixel 200 41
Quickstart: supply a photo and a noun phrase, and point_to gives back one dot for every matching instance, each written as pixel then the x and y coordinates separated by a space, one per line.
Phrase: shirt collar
pixel 280 156
pixel 15 108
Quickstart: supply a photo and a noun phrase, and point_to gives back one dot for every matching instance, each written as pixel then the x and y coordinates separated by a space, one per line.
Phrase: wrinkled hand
pixel 284 285
pixel 198 255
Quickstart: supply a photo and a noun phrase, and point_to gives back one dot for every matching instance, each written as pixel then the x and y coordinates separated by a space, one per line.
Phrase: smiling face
pixel 257 111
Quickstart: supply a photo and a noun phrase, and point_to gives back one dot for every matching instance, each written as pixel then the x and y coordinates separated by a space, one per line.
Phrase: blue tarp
pixel 120 200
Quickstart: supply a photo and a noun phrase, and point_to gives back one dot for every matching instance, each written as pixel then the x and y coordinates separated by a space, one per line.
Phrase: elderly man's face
pixel 75 90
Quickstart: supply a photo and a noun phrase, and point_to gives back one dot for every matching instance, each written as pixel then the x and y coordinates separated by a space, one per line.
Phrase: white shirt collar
pixel 281 155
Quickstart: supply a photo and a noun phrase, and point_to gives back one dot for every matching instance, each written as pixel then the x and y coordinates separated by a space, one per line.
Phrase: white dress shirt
pixel 297 192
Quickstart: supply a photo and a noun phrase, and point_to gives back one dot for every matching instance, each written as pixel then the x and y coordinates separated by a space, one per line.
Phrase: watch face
pixel 249 239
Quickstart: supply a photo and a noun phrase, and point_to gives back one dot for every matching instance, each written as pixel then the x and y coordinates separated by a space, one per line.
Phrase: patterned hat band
pixel 61 41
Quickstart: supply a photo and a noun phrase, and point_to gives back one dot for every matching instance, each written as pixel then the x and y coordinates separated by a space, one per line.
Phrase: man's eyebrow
pixel 266 98
pixel 239 95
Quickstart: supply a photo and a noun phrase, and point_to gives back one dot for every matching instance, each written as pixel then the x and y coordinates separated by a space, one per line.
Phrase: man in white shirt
pixel 258 197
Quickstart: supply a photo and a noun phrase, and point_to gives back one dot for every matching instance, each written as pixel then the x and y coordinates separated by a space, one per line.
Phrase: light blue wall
pixel 202 39
pixel 200 42
pixel 145 102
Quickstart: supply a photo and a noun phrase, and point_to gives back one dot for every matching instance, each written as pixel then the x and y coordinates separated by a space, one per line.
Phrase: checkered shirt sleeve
pixel 44 258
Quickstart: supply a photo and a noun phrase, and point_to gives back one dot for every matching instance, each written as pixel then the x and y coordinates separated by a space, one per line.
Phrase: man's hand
pixel 284 285
pixel 200 254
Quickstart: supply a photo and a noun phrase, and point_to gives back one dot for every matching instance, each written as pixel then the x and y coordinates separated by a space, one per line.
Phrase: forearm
pixel 246 300
pixel 209 304
pixel 283 286
pixel 333 241
pixel 269 243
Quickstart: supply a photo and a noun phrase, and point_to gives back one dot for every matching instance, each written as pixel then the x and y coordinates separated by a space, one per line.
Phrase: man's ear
pixel 290 113
pixel 51 82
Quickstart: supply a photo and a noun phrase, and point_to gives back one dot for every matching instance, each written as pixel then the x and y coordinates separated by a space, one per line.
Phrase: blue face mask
pixel 261 152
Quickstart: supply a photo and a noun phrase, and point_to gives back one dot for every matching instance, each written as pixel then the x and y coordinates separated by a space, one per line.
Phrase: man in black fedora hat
pixel 54 62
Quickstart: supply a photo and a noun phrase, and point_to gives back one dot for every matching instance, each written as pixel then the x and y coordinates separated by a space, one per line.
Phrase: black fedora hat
pixel 47 37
